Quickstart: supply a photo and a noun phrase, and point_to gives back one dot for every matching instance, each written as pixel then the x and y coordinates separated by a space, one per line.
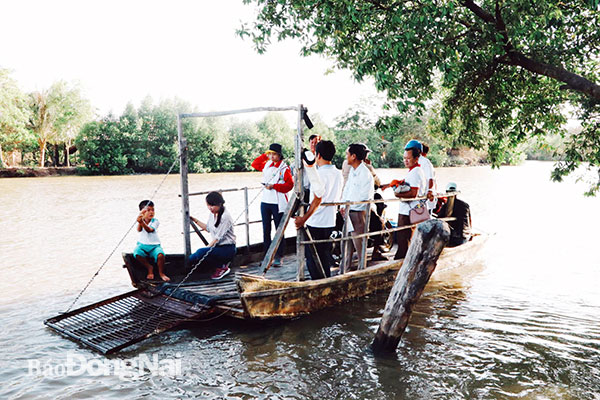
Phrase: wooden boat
pixel 249 293
pixel 268 298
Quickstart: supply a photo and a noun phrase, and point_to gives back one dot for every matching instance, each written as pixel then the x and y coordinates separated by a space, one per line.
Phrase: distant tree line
pixel 56 127
pixel 32 123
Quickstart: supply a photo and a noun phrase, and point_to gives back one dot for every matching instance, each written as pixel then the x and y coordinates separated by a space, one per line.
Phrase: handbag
pixel 418 213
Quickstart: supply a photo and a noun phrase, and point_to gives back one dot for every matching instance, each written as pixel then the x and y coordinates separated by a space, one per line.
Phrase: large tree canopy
pixel 508 69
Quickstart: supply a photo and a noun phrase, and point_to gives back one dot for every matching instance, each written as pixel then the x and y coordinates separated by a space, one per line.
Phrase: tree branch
pixel 572 80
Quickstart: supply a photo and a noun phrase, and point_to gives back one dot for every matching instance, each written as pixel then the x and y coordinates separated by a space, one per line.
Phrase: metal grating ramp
pixel 113 324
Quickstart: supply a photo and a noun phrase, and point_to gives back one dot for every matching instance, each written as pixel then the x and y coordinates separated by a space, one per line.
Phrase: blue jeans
pixel 268 211
pixel 218 256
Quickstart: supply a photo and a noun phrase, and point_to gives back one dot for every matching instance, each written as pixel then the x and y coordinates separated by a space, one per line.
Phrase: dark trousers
pixel 402 237
pixel 323 250
pixel 218 256
pixel 268 211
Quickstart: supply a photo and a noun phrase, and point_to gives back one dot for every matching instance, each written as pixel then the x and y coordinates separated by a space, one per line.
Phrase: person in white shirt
pixel 278 181
pixel 415 185
pixel 326 186
pixel 221 249
pixel 148 245
pixel 359 187
pixel 429 173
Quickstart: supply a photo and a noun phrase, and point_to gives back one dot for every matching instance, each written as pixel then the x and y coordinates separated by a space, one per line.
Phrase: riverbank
pixel 22 172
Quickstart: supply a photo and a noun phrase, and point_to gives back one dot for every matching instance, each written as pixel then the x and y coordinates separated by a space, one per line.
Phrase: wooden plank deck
pixel 232 305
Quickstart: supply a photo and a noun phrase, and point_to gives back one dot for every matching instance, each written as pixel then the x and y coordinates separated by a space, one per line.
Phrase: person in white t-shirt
pixel 326 186
pixel 148 245
pixel 429 173
pixel 415 186
pixel 359 187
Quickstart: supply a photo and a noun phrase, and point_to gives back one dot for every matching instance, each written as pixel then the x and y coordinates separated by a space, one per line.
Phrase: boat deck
pixel 225 290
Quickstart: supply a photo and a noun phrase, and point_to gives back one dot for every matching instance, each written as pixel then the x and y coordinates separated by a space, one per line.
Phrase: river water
pixel 523 323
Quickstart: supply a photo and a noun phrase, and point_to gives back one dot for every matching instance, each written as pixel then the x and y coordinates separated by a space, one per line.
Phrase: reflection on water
pixel 522 323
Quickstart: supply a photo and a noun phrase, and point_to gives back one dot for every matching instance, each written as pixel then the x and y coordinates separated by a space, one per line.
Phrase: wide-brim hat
pixel 451 187
pixel 275 148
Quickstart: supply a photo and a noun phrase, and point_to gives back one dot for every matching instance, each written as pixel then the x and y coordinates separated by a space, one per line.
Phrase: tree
pixel 103 147
pixel 507 66
pixel 57 114
pixel 14 114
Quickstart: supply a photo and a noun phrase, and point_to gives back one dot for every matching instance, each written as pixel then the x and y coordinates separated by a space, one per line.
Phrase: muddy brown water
pixel 523 323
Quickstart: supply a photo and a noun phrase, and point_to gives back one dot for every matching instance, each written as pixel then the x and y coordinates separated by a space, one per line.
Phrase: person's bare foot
pixel 150 276
pixel 165 278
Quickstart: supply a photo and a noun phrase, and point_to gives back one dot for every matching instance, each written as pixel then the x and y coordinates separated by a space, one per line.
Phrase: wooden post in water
pixel 427 243
pixel 185 200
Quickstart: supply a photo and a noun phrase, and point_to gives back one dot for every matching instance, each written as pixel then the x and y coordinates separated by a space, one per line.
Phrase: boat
pixel 253 291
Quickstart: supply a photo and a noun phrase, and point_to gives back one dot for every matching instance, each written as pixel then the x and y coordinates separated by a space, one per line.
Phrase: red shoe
pixel 220 272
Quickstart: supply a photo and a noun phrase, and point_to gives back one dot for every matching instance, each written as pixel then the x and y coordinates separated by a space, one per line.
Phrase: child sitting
pixel 220 225
pixel 148 243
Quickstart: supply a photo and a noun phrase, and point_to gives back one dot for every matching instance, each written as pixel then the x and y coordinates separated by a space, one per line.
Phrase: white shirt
pixel 224 232
pixel 150 237
pixel 332 180
pixel 429 173
pixel 359 187
pixel 416 179
pixel 271 176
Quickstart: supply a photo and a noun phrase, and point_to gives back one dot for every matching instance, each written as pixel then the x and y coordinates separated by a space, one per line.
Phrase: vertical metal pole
pixel 300 191
pixel 363 250
pixel 345 250
pixel 185 200
pixel 247 212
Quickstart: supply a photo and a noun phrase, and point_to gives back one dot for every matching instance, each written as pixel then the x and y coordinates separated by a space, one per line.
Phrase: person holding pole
pixel 326 186
pixel 278 181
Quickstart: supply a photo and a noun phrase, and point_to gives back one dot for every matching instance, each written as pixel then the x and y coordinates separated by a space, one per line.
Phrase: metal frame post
pixel 185 200
pixel 300 254
pixel 247 212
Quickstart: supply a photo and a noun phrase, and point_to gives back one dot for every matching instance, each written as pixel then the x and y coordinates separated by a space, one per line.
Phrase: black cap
pixel 276 147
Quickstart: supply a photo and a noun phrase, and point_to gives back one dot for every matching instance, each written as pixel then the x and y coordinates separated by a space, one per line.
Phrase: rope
pixel 120 241
pixel 196 266
pixel 188 275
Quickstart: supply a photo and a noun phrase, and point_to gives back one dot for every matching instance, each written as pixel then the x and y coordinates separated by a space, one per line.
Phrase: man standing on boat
pixel 326 186
pixel 415 186
pixel 278 181
pixel 359 187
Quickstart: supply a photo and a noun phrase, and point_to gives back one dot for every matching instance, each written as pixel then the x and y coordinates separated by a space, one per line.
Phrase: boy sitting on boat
pixel 148 245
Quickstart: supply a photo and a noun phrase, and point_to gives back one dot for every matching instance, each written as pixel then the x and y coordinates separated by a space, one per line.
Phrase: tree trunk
pixel 42 152
pixel 67 145
pixel 2 164
pixel 427 243
pixel 56 161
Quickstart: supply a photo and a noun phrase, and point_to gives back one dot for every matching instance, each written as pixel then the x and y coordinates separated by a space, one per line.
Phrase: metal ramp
pixel 115 323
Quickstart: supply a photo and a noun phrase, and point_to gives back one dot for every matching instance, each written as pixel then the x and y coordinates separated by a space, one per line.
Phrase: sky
pixel 122 51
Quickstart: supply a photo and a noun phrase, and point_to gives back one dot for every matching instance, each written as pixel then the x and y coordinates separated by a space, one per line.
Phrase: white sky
pixel 121 51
